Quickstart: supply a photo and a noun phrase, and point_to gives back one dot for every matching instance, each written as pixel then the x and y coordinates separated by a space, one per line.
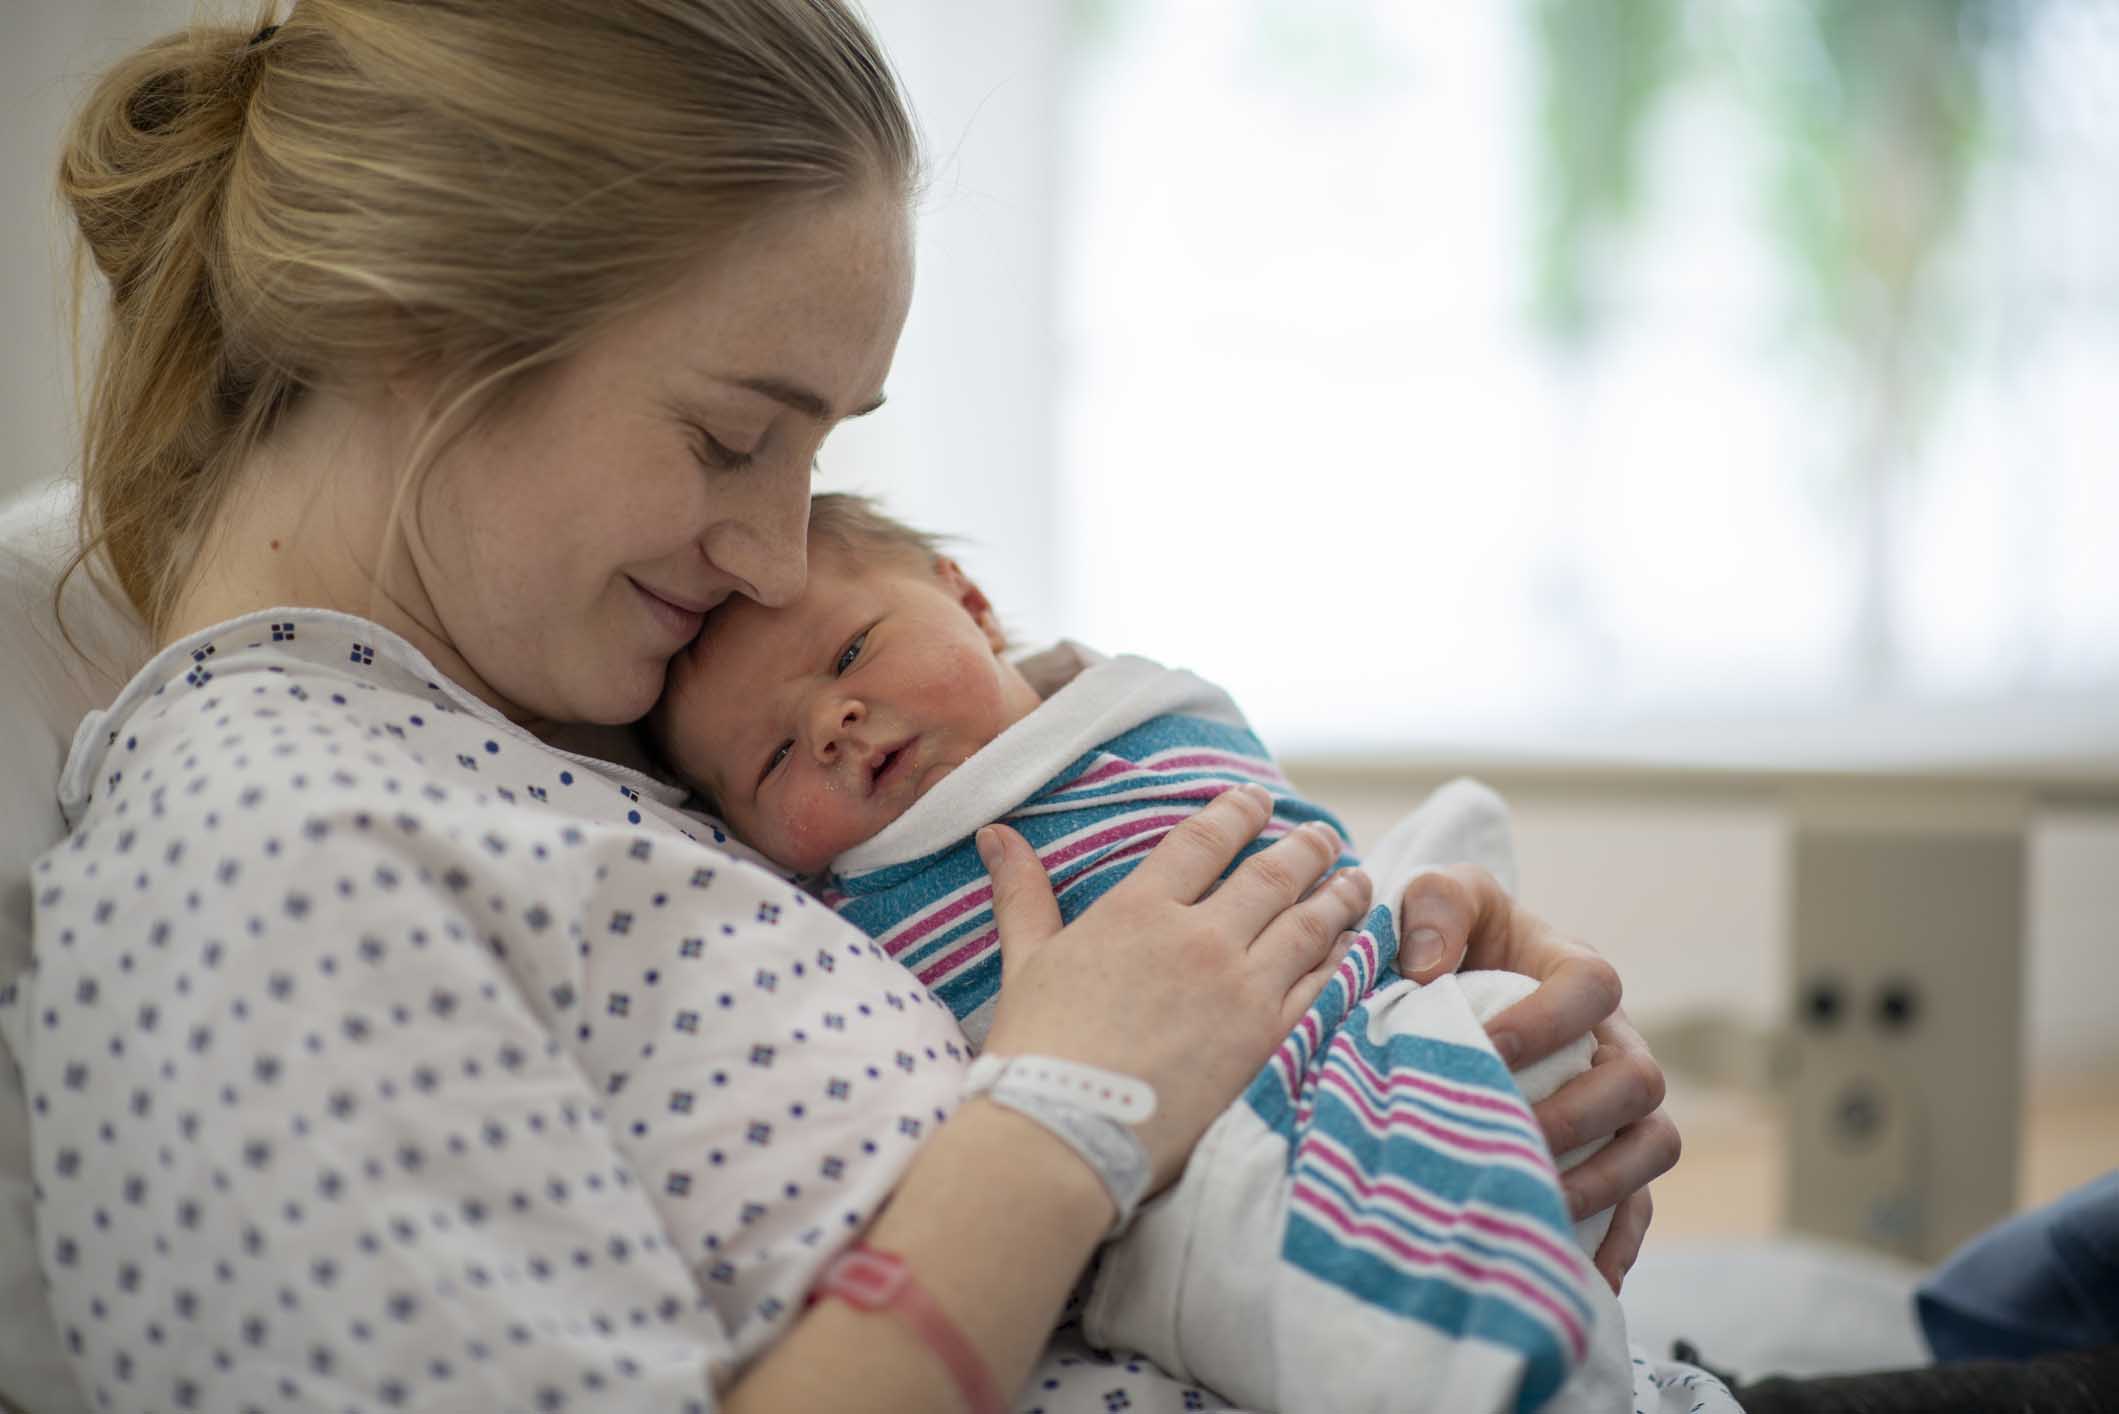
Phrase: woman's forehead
pixel 813 299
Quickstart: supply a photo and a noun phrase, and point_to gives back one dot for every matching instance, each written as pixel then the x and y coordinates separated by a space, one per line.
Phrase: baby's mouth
pixel 886 765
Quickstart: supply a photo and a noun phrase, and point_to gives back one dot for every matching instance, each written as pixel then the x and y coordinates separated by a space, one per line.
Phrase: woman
pixel 367 1062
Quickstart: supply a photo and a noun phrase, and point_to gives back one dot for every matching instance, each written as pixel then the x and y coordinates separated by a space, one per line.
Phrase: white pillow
pixel 46 687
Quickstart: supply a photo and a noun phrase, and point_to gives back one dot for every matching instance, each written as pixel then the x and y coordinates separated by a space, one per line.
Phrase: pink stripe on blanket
pixel 1215 760
pixel 974 896
pixel 1470 1144
pixel 1152 789
pixel 1393 1192
pixel 981 893
pixel 1507 1105
pixel 935 972
pixel 1123 829
pixel 1319 1203
pixel 1111 766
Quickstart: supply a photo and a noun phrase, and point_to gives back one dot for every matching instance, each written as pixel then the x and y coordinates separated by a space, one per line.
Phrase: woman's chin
pixel 617 697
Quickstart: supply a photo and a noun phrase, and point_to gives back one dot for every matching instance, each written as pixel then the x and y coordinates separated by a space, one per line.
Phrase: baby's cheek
pixel 816 828
pixel 966 690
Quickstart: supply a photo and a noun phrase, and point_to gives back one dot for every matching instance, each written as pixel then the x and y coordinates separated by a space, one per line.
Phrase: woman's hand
pixel 1167 977
pixel 1621 1094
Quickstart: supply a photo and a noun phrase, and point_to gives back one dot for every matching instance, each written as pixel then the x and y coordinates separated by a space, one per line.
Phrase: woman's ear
pixel 959 587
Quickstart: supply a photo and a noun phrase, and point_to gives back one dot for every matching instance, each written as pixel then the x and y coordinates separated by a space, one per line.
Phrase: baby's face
pixel 817 724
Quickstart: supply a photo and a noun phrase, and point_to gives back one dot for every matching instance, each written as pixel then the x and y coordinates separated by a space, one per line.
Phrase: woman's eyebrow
pixel 801 399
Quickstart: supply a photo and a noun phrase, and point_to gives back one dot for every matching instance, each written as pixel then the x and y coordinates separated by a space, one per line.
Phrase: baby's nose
pixel 837 723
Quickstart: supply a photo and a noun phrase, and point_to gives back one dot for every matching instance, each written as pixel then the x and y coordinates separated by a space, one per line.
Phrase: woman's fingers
pixel 1187 861
pixel 1577 990
pixel 1306 988
pixel 1622 1242
pixel 1269 881
pixel 1024 910
pixel 1440 914
pixel 1300 938
pixel 1637 1155
pixel 1620 1088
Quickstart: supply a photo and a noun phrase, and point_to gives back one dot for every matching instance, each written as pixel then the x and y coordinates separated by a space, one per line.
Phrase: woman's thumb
pixel 1024 909
pixel 1435 920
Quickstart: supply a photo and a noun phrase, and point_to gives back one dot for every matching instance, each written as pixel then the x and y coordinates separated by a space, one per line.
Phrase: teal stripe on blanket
pixel 1440 1303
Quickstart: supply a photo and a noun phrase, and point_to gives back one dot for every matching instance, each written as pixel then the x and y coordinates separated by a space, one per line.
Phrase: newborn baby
pixel 1380 1187
pixel 812 727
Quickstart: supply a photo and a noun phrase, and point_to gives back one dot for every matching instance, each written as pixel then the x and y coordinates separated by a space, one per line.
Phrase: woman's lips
pixel 682 623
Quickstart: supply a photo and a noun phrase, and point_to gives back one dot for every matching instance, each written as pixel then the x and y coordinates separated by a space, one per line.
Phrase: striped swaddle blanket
pixel 1380 1199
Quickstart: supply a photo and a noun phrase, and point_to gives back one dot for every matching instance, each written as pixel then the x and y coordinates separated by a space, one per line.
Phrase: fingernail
pixel 1426 944
pixel 1326 833
pixel 1508 1046
pixel 988 845
pixel 1354 881
pixel 1257 793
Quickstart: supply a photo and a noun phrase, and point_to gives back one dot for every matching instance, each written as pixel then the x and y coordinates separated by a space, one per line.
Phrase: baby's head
pixel 814 725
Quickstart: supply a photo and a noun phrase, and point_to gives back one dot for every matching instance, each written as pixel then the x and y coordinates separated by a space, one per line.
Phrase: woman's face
pixel 571 545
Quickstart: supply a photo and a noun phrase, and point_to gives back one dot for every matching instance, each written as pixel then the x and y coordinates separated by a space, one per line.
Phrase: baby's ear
pixel 958 585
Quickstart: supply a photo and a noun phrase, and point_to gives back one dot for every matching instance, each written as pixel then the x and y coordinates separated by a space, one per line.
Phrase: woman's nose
pixel 765 546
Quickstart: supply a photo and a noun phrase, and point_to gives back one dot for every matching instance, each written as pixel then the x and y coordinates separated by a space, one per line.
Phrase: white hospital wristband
pixel 1088 1109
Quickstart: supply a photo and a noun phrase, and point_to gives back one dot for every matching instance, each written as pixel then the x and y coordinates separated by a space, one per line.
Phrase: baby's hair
pixel 858 526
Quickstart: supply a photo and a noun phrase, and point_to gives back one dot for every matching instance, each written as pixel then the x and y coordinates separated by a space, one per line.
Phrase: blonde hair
pixel 464 188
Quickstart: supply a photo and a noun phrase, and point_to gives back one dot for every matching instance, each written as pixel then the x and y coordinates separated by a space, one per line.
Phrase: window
pixel 1460 374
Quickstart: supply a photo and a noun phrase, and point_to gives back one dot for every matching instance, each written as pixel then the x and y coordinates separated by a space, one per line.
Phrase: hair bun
pixel 147 154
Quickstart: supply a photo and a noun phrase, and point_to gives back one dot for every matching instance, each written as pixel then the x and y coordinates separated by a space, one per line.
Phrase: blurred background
pixel 1697 417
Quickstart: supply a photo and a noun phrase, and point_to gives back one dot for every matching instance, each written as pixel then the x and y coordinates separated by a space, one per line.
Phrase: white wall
pixel 972 387
pixel 967 444
pixel 50 50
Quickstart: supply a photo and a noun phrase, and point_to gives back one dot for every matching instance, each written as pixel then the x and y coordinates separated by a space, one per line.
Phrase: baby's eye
pixel 773 763
pixel 850 653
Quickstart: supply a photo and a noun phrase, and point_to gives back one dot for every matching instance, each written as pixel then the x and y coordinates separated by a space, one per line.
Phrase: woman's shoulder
pixel 299 700
pixel 274 758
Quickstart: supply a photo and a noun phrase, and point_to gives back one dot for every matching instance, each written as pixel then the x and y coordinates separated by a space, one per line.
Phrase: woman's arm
pixel 996 1217
pixel 1622 1092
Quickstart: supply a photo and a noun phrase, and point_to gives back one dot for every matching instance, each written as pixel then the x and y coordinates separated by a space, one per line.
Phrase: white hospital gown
pixel 380 1056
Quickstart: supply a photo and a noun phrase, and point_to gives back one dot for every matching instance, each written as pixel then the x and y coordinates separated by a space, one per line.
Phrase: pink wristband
pixel 872 1280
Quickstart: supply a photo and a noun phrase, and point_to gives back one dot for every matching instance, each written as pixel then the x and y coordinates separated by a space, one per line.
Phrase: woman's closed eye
pixel 720 455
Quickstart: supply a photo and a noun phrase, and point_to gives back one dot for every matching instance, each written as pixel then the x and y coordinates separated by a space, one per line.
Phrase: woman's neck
pixel 311 522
